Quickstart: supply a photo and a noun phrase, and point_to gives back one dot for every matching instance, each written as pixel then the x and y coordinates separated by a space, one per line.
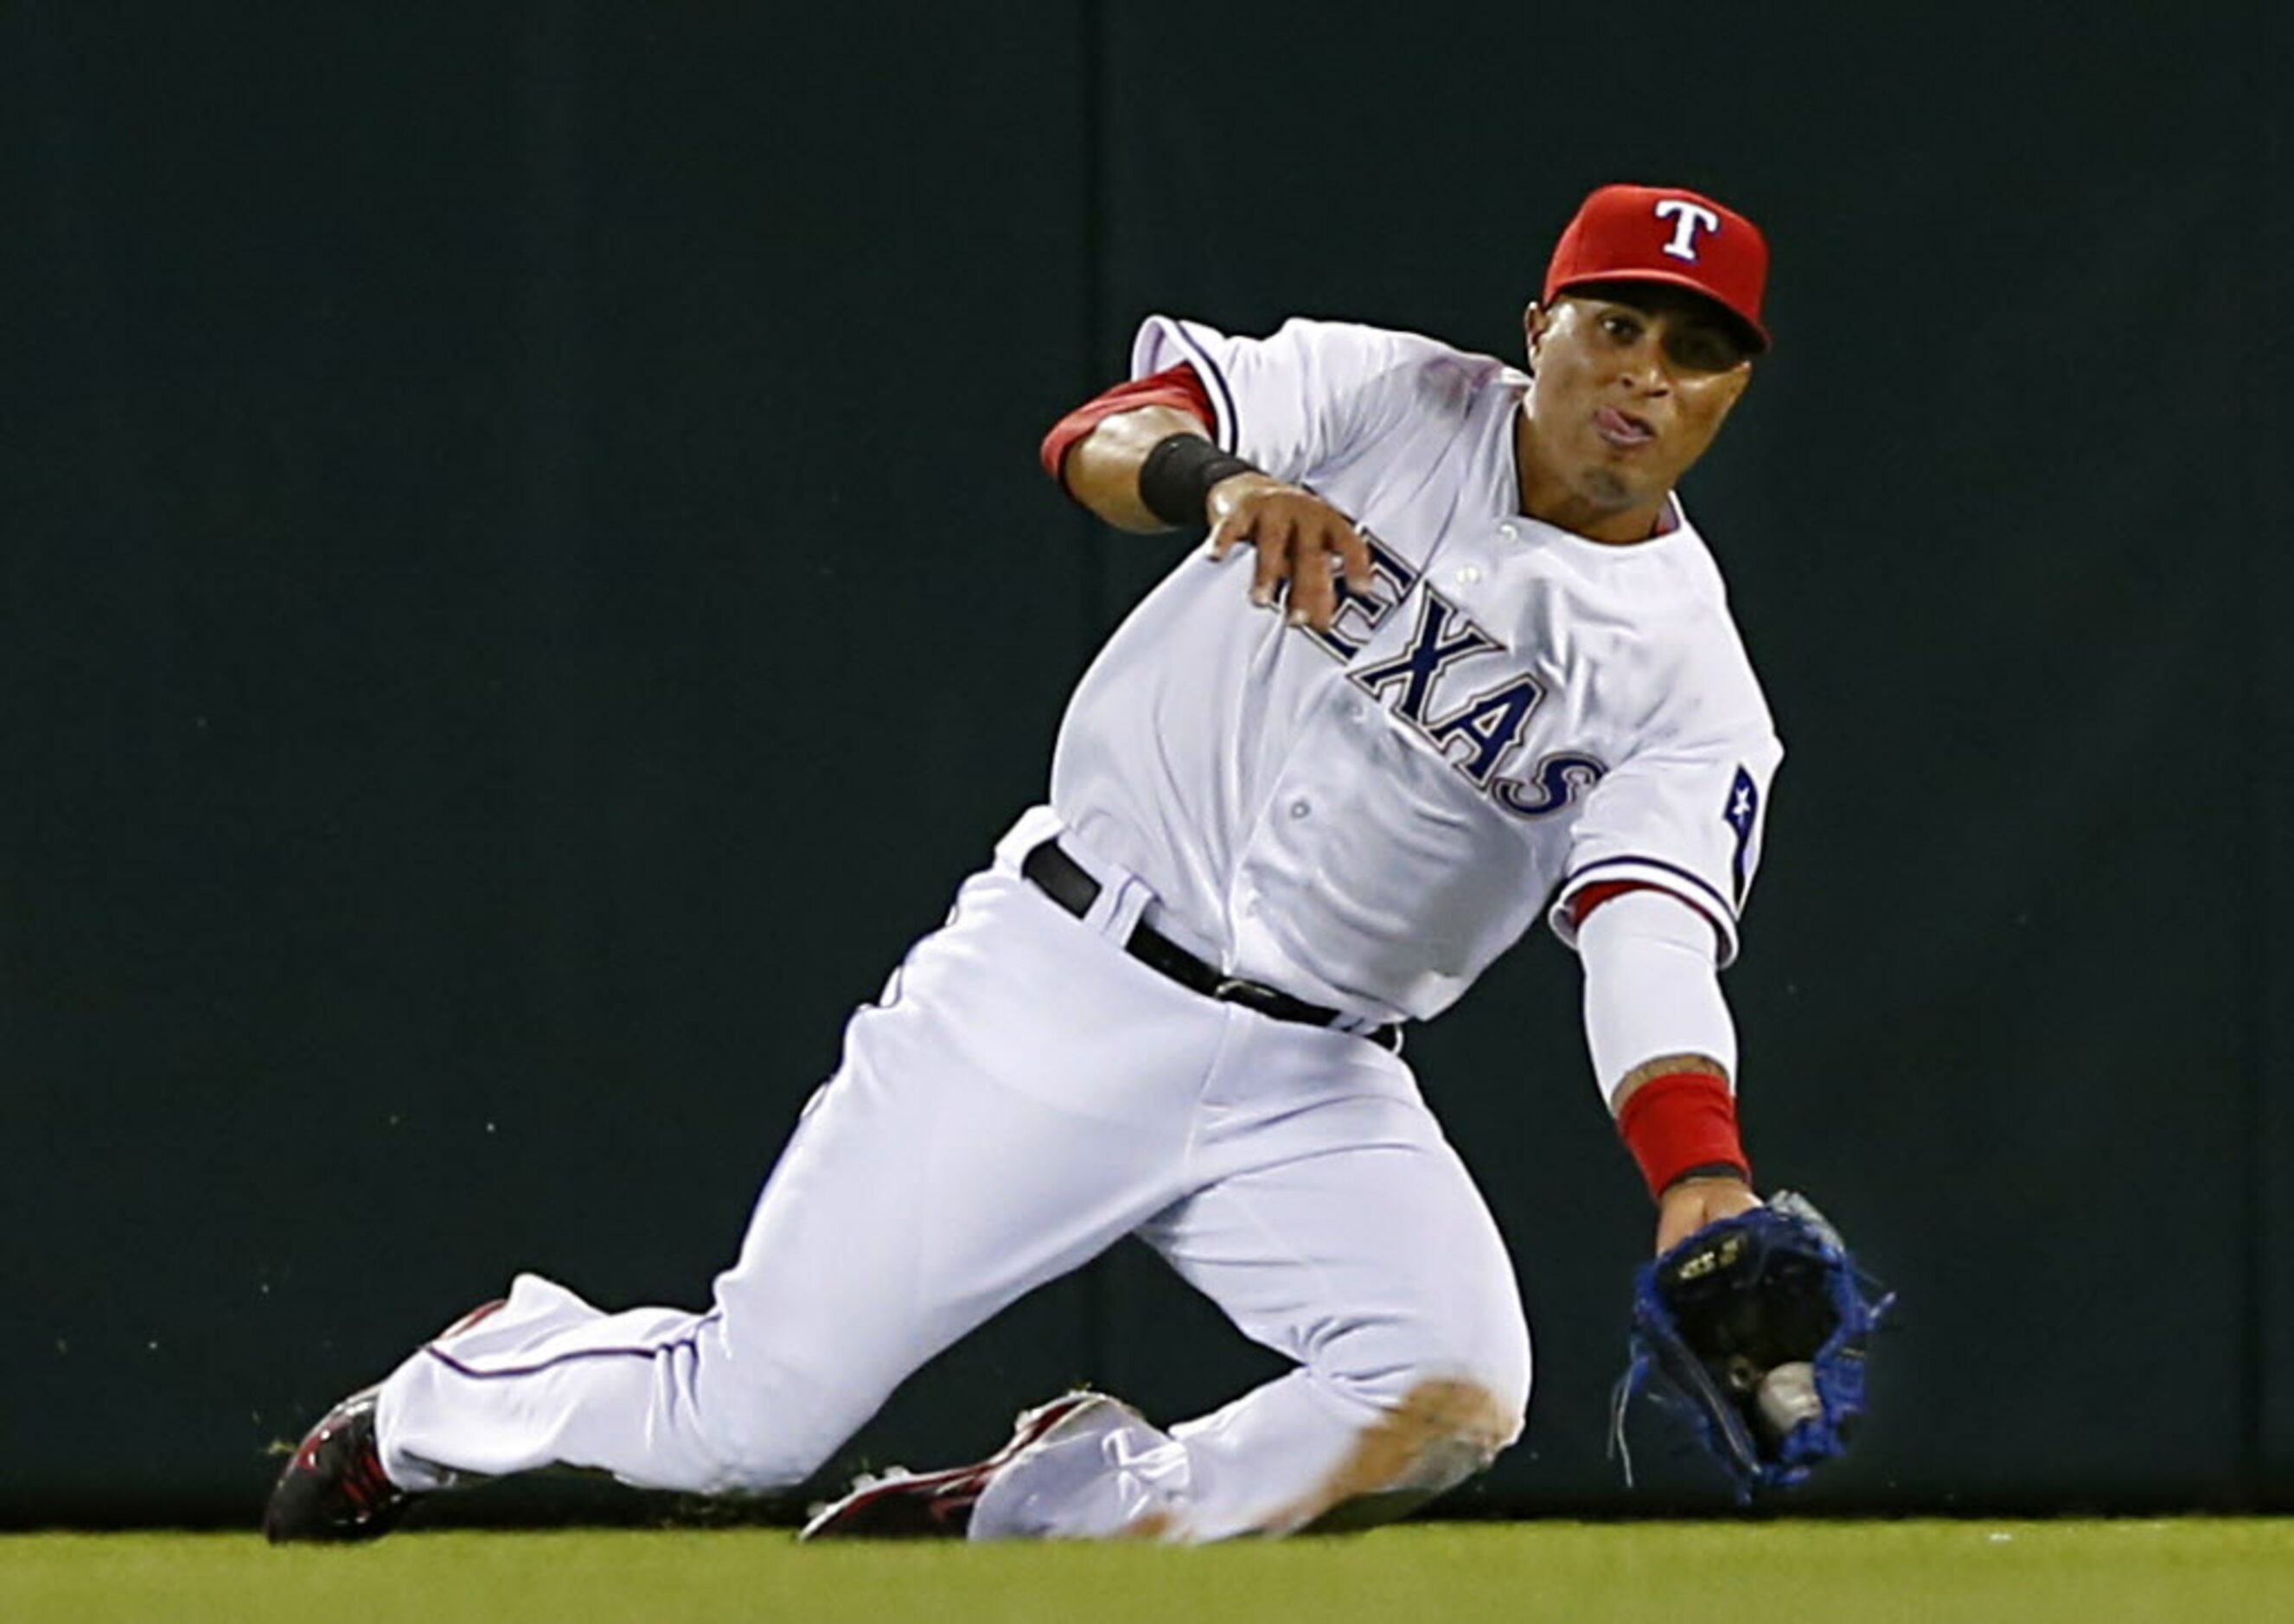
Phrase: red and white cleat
pixel 904 1505
pixel 334 1490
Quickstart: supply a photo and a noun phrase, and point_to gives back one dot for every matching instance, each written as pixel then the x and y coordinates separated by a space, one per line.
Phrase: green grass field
pixel 2030 1572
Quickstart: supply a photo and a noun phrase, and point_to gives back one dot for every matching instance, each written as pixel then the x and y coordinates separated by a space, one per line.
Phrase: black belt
pixel 1066 882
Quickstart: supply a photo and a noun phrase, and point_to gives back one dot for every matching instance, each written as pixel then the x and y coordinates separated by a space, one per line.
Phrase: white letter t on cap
pixel 1687 219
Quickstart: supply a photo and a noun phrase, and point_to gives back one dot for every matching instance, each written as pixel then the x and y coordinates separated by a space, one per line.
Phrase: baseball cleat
pixel 904 1505
pixel 334 1490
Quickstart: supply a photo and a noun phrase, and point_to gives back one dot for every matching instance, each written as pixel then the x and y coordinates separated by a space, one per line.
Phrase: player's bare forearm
pixel 1102 471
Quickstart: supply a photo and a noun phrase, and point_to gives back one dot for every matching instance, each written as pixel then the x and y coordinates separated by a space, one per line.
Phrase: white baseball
pixel 1787 1397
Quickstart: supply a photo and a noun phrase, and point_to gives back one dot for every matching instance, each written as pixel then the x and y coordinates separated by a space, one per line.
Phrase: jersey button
pixel 1299 809
pixel 1467 576
pixel 1510 531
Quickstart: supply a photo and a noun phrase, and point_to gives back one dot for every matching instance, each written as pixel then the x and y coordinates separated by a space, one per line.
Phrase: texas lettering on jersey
pixel 1487 723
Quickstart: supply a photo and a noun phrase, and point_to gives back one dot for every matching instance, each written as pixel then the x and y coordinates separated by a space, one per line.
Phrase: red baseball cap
pixel 1665 234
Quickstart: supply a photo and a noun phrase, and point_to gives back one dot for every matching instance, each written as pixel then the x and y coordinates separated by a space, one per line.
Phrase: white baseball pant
pixel 1024 1095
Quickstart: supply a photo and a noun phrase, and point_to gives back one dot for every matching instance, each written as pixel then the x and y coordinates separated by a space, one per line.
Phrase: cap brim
pixel 1751 330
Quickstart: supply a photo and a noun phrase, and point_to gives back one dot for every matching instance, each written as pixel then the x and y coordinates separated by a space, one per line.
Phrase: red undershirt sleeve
pixel 1179 386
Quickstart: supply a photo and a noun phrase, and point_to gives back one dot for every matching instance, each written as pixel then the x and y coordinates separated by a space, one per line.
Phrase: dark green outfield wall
pixel 527 585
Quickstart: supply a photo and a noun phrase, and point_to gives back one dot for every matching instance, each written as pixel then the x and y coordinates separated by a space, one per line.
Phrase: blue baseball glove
pixel 1754 1327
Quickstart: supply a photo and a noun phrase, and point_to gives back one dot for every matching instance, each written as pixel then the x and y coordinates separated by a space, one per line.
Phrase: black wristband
pixel 1176 479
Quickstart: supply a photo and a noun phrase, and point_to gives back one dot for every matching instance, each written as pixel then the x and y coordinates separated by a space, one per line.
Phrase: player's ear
pixel 1534 320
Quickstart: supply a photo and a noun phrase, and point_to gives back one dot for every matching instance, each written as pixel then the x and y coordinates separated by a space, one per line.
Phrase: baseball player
pixel 1454 658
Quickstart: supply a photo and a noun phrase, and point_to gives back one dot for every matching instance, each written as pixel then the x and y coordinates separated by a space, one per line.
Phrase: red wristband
pixel 1681 1121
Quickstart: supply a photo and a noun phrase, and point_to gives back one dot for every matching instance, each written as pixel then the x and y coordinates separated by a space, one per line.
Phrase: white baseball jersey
pixel 1367 817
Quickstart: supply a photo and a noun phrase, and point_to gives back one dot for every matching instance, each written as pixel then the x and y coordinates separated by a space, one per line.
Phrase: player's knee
pixel 1504 1369
pixel 1466 1375
pixel 1446 1406
pixel 767 1434
pixel 1441 1431
pixel 758 1456
pixel 756 1449
pixel 1450 1428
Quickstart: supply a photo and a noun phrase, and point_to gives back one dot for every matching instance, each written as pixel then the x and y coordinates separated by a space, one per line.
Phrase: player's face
pixel 1631 384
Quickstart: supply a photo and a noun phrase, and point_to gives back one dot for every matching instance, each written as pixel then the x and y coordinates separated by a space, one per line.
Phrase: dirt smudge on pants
pixel 1442 1433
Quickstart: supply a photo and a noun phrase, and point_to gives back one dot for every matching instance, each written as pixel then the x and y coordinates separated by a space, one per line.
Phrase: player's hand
pixel 1297 535
pixel 1694 1202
